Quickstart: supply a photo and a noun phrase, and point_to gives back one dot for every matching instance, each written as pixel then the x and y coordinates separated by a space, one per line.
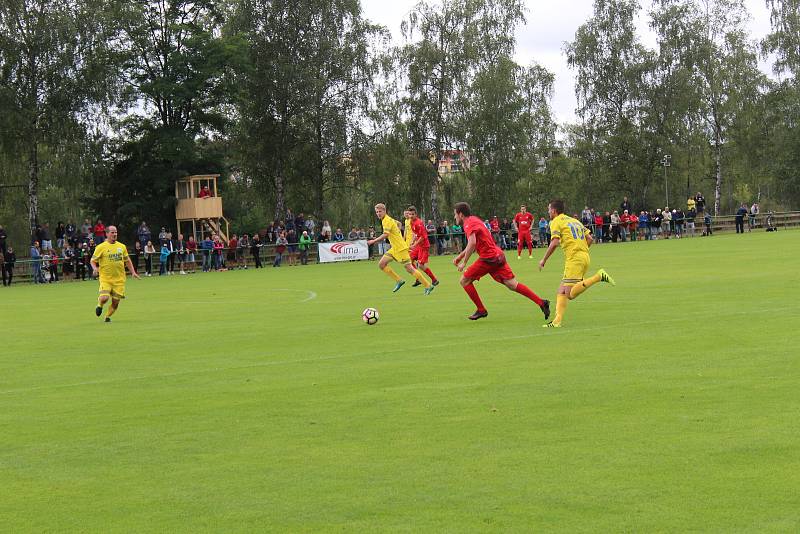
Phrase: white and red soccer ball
pixel 370 316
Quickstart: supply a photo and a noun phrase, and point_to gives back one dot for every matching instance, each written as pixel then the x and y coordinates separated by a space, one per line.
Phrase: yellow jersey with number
pixel 571 234
pixel 392 229
pixel 110 260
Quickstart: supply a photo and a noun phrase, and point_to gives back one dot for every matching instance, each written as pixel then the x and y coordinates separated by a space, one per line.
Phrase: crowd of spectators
pixel 65 252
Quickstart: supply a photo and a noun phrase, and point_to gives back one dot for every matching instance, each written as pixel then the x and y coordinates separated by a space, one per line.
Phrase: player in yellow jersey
pixel 575 240
pixel 398 252
pixel 408 232
pixel 109 260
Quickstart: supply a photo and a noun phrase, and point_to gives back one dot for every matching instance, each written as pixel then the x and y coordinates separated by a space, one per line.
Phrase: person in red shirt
pixel 233 263
pixel 524 221
pixel 420 247
pixel 99 232
pixel 205 192
pixel 598 228
pixel 624 221
pixel 491 261
pixel 633 225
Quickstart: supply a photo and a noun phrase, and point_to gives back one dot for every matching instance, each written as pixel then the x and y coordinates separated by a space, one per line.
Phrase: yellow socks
pixel 561 306
pixel 422 279
pixel 388 270
pixel 580 287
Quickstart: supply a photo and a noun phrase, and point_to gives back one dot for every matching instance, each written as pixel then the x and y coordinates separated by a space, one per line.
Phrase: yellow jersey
pixel 408 233
pixel 571 234
pixel 396 240
pixel 111 260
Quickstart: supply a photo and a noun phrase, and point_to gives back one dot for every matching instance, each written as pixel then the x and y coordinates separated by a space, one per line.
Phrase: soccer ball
pixel 370 316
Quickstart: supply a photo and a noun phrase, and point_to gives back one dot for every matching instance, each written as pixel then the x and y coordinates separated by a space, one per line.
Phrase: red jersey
pixel 484 244
pixel 100 230
pixel 524 222
pixel 418 227
pixel 495 225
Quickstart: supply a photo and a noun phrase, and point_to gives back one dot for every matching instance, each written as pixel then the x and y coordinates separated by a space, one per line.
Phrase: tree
pixel 53 67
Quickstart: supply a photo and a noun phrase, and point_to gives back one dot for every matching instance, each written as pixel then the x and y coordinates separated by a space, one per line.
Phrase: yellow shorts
pixel 400 257
pixel 575 268
pixel 115 289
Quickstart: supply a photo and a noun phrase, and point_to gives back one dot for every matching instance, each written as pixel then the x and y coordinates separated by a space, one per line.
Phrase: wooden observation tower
pixel 196 214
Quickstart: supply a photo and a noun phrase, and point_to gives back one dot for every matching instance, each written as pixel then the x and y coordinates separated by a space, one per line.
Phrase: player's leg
pixel 418 275
pixel 520 245
pixel 472 292
pixel 105 295
pixel 112 308
pixel 529 241
pixel 383 265
pixel 514 285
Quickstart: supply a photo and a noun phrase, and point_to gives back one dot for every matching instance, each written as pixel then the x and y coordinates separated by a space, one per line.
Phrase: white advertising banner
pixel 343 251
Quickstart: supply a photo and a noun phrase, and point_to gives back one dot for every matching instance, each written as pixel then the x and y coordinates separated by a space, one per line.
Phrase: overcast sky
pixel 550 25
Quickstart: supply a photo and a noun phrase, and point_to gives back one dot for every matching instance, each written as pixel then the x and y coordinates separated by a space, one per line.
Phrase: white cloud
pixel 551 24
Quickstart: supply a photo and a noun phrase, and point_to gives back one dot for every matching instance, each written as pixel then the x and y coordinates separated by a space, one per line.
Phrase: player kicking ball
pixel 109 260
pixel 575 241
pixel 398 252
pixel 491 261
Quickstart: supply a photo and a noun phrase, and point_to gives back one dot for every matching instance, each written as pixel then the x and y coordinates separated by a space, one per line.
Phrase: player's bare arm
pixel 95 268
pixel 133 272
pixel 378 239
pixel 553 246
pixel 471 244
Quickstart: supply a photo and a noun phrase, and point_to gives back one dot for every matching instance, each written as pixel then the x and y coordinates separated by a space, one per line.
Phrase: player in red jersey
pixel 491 261
pixel 524 222
pixel 420 246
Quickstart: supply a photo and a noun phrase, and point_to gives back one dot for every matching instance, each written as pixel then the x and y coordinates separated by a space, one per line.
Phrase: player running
pixel 575 239
pixel 109 260
pixel 398 252
pixel 420 247
pixel 524 221
pixel 491 261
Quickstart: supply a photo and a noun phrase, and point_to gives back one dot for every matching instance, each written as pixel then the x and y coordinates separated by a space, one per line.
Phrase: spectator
pixel 691 204
pixel 707 221
pixel 754 211
pixel 280 247
pixel 625 205
pixel 338 236
pixel 71 235
pixel 207 248
pixel 370 236
pixel 162 236
pixel 431 229
pixel 299 224
pixel 607 227
pixel 740 213
pixel 163 259
pixel 544 230
pixel 255 250
pixel 69 260
pixel 45 239
pixel 362 234
pixel 82 259
pixel 690 217
pixel 144 234
pixel 678 218
pixel 205 192
pixel 61 231
pixel 52 265
pixel 633 226
pixel 218 247
pixel 305 244
pixel 644 225
pixel 173 250
pixel 587 217
pixel 666 222
pixel 310 226
pixel 624 224
pixel 505 234
pixel 457 232
pixel 655 224
pixel 442 236
pixel 9 260
pixel 597 227
pixel 353 235
pixel 615 224
pixel 326 233
pixel 771 227
pixel 291 238
pixel 233 244
pixel 36 263
pixel 191 252
pixel 3 239
pixel 242 246
pixel 494 228
pixel 99 231
pixel 700 202
pixel 180 253
pixel 86 231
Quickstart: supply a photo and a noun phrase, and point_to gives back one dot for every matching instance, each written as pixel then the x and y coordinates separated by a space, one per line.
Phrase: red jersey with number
pixel 418 227
pixel 524 222
pixel 484 243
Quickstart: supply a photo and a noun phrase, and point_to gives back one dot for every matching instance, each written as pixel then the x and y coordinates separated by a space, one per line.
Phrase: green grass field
pixel 259 401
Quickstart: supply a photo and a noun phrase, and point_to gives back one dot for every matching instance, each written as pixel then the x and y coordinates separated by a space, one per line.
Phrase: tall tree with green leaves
pixel 446 45
pixel 53 68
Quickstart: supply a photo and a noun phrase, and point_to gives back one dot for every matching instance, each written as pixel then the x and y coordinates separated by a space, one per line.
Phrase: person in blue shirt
pixel 740 213
pixel 206 246
pixel 544 230
pixel 644 225
pixel 163 259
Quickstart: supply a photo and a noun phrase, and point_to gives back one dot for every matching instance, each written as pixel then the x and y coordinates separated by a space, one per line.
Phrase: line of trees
pixel 306 104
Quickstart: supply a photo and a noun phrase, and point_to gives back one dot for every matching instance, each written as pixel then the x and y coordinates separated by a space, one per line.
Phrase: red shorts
pixel 420 254
pixel 500 270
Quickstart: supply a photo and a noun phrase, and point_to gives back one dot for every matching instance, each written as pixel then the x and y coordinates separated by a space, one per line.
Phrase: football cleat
pixel 398 285
pixel 478 315
pixel 416 283
pixel 108 319
pixel 98 311
pixel 429 290
pixel 551 325
pixel 545 307
pixel 605 277
pixel 435 282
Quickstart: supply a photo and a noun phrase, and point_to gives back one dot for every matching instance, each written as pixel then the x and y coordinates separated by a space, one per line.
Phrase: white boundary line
pixel 548 332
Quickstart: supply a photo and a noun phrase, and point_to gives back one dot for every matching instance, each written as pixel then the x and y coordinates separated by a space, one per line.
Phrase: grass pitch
pixel 258 400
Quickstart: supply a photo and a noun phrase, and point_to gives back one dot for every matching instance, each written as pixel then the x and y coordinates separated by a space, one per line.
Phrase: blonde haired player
pixel 398 252
pixel 109 260
pixel 575 241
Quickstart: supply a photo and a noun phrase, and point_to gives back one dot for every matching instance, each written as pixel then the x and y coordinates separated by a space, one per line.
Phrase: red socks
pixel 522 289
pixel 473 294
pixel 430 274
